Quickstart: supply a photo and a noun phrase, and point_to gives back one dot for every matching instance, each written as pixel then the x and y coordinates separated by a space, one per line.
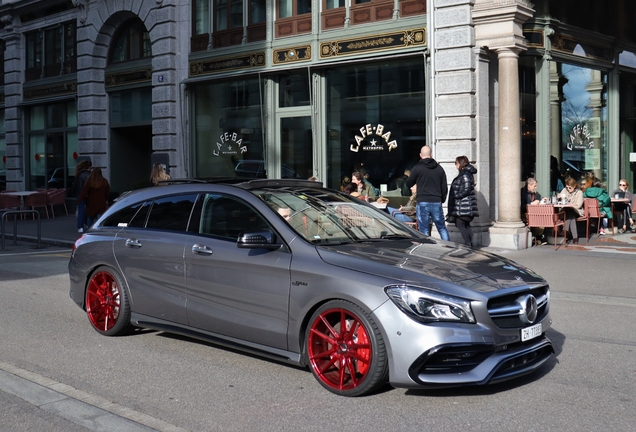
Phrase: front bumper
pixel 447 355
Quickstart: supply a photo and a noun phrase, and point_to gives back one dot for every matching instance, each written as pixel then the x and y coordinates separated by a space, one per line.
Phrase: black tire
pixel 353 363
pixel 107 304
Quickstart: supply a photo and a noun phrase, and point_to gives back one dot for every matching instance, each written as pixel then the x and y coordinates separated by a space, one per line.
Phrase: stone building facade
pixel 300 88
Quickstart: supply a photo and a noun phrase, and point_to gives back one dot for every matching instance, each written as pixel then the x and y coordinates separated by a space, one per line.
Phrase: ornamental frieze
pixel 570 45
pixel 58 89
pixel 385 41
pixel 246 61
pixel 128 77
pixel 289 55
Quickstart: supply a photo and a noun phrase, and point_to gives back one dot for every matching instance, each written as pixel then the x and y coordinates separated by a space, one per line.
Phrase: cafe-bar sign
pixel 229 144
pixel 582 136
pixel 373 138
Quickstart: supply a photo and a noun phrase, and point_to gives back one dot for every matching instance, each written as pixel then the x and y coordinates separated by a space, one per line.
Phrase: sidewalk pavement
pixel 61 231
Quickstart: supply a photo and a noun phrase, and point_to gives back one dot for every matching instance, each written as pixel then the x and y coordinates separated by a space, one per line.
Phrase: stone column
pixel 509 151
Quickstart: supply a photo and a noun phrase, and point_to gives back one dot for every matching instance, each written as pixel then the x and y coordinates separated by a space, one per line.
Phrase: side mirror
pixel 257 240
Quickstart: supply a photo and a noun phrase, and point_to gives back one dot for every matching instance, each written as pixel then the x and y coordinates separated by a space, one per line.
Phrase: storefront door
pixel 296 147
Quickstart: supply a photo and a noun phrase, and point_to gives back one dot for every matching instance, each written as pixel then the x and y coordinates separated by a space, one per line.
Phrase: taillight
pixel 78 242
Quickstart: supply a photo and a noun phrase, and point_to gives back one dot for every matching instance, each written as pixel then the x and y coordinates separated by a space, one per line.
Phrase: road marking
pixel 93 412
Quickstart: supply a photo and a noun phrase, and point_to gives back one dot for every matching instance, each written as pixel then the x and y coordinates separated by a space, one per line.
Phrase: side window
pixel 227 217
pixel 171 213
pixel 139 220
pixel 124 218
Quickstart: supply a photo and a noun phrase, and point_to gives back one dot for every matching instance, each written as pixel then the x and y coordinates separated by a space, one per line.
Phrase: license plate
pixel 531 332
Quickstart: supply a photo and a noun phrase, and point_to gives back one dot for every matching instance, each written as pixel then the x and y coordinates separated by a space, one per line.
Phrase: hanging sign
pixel 373 138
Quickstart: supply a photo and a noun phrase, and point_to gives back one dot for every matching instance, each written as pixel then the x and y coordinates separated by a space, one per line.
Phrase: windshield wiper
pixel 396 237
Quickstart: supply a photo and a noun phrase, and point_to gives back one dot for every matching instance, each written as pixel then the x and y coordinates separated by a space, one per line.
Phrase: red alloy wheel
pixel 103 301
pixel 339 349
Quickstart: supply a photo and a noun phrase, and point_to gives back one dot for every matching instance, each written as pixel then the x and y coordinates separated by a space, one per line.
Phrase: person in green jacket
pixel 604 201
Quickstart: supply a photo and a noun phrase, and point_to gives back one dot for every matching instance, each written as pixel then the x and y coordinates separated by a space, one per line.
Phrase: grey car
pixel 295 272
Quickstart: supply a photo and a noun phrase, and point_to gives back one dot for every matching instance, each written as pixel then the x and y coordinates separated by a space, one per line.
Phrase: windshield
pixel 329 217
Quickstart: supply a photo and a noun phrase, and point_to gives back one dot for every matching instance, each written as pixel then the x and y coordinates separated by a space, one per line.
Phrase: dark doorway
pixel 131 148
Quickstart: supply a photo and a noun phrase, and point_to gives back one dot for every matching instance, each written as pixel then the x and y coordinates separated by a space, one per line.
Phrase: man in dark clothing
pixel 432 189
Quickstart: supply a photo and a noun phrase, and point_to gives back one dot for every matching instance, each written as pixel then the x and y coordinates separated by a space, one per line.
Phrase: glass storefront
pixel 578 142
pixel 228 130
pixel 52 138
pixel 376 120
pixel 583 121
pixel 628 127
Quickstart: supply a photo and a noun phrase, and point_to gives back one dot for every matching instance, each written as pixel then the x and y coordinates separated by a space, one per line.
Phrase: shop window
pixel 293 17
pixel 376 120
pixel 51 52
pixel 52 151
pixel 228 127
pixel 132 42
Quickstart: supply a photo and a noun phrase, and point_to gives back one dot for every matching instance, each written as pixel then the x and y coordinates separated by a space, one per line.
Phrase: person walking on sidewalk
pixel 462 201
pixel 82 171
pixel 432 189
pixel 96 193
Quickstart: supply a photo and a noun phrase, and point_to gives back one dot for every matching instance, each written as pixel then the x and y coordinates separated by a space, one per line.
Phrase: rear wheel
pixel 107 304
pixel 345 350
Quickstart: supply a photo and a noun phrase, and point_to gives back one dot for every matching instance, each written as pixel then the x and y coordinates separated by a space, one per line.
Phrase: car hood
pixel 432 263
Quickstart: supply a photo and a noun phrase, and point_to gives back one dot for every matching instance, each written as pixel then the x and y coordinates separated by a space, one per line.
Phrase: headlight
pixel 430 306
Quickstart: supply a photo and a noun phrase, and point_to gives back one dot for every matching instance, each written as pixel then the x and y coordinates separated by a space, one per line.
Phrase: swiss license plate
pixel 531 332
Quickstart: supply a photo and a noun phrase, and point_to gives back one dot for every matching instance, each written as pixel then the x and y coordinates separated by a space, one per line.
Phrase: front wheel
pixel 345 350
pixel 107 304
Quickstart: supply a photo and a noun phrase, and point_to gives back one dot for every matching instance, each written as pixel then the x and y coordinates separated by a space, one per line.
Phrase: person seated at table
pixel 624 209
pixel 595 190
pixel 530 196
pixel 406 213
pixel 574 197
pixel 363 188
pixel 352 189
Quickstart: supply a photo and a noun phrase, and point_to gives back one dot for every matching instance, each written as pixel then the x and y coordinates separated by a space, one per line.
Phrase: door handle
pixel 201 249
pixel 133 243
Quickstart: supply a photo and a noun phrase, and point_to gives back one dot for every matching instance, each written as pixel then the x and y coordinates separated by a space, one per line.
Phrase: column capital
pixel 499 23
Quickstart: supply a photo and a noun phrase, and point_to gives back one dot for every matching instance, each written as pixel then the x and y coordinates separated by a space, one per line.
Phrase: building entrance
pixel 130 152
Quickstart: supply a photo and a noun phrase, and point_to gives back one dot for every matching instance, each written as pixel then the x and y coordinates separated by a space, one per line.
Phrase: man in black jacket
pixel 432 189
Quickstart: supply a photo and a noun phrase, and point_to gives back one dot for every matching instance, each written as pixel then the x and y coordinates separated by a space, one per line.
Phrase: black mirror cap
pixel 258 240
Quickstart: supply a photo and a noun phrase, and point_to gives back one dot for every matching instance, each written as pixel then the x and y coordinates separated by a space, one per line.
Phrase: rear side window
pixel 124 216
pixel 171 213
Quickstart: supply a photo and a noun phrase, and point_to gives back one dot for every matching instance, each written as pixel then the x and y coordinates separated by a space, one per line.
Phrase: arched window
pixel 132 42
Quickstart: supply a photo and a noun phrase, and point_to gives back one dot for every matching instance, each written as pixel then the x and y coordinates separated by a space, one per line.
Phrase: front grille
pixel 506 312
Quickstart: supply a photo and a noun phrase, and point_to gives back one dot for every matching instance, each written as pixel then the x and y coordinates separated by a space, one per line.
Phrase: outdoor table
pixel 20 194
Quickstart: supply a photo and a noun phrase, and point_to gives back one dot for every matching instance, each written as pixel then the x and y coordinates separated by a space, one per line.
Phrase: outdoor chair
pixel 9 202
pixel 544 216
pixel 411 224
pixel 592 211
pixel 57 197
pixel 38 199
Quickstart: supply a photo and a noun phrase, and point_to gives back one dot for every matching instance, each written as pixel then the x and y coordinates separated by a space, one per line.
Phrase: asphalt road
pixel 57 374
